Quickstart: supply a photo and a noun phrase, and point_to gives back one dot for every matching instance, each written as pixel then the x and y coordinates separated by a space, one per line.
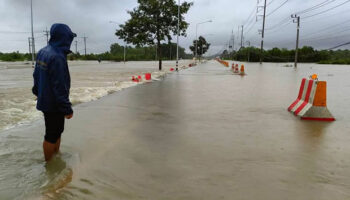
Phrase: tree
pixel 202 46
pixel 152 22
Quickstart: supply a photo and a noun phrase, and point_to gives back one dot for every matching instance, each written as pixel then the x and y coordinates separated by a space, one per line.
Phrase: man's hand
pixel 69 116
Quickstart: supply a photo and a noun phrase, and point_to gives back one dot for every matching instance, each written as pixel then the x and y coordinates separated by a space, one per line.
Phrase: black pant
pixel 54 123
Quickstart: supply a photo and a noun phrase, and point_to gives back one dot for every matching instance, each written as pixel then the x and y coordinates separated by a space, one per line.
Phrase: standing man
pixel 52 85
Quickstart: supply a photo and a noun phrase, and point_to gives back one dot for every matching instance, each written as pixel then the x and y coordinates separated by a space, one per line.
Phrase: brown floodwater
pixel 202 133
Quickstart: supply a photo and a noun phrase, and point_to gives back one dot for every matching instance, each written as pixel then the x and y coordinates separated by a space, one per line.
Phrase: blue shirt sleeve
pixel 35 87
pixel 58 72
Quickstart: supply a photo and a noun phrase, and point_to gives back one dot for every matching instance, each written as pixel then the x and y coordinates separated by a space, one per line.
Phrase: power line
pixel 279 24
pixel 250 29
pixel 300 12
pixel 279 27
pixel 251 23
pixel 327 10
pixel 303 11
pixel 250 15
pixel 339 46
pixel 327 37
pixel 277 8
pixel 328 28
pixel 270 2
pixel 327 16
pixel 320 5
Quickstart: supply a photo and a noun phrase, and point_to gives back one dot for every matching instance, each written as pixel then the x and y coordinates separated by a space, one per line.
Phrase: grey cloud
pixel 91 17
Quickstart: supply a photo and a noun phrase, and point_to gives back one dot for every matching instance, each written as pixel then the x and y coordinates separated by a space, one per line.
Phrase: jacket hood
pixel 61 37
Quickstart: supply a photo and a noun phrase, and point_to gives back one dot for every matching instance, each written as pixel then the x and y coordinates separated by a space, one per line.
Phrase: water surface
pixel 203 133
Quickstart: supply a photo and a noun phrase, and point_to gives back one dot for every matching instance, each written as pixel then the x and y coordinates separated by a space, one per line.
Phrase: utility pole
pixel 233 45
pixel 84 43
pixel 178 34
pixel 33 42
pixel 46 33
pixel 242 37
pixel 76 47
pixel 263 34
pixel 124 52
pixel 296 19
pixel 233 42
pixel 238 39
pixel 232 39
pixel 156 52
pixel 248 42
pixel 30 46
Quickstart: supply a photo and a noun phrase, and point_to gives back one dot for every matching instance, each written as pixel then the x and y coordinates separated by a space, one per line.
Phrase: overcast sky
pixel 329 27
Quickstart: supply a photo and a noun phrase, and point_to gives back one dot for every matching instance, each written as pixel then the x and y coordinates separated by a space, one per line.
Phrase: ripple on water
pixel 25 174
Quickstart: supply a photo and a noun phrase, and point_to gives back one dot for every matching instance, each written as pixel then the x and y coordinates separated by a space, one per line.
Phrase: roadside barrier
pixel 134 79
pixel 192 64
pixel 242 72
pixel 311 103
pixel 226 64
pixel 148 76
pixel 236 71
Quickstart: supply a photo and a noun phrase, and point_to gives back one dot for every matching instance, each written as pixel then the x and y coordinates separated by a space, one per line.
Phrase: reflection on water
pixel 58 175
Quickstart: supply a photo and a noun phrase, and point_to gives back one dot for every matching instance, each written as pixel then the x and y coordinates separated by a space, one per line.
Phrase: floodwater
pixel 202 133
pixel 90 81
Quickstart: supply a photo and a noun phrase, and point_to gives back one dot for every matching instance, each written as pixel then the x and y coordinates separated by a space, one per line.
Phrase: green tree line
pixel 15 56
pixel 306 55
pixel 116 53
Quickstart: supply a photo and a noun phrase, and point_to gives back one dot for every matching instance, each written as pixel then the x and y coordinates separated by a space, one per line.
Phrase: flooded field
pixel 90 81
pixel 202 133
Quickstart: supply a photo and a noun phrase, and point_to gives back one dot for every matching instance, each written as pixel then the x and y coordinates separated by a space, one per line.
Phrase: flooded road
pixel 90 81
pixel 202 133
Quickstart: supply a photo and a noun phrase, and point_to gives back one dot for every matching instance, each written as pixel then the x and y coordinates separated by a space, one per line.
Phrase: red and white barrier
pixel 311 102
pixel 236 69
pixel 305 98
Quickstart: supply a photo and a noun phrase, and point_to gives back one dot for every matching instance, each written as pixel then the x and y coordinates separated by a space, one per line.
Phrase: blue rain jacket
pixel 51 73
